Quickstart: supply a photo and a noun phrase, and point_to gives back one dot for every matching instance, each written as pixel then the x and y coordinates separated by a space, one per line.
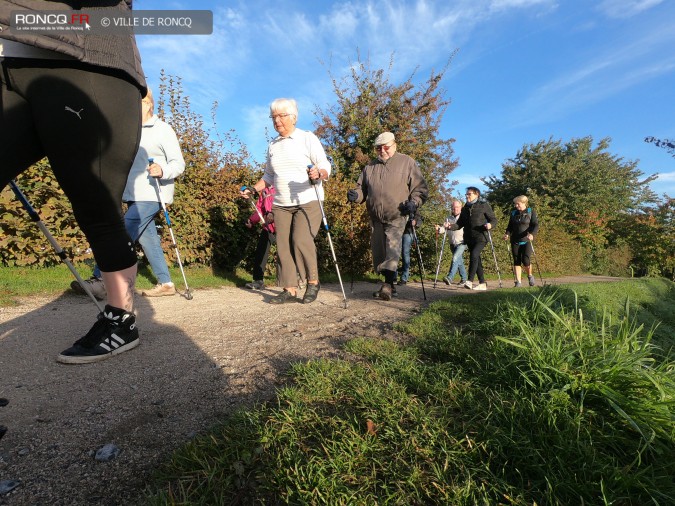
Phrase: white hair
pixel 287 105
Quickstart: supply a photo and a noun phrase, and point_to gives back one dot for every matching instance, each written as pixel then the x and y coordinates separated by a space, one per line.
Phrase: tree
pixel 577 186
pixel 368 103
pixel 572 180
pixel 666 144
pixel 650 235
pixel 207 213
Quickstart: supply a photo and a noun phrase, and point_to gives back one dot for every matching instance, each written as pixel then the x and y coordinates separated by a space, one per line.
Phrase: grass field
pixel 551 396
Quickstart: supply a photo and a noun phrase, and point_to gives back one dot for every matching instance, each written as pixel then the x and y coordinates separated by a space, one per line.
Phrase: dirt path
pixel 198 360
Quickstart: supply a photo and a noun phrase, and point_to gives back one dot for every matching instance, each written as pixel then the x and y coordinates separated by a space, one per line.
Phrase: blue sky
pixel 525 70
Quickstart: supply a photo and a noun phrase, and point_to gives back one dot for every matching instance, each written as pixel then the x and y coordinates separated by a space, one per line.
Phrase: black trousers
pixel 87 121
pixel 262 253
pixel 475 263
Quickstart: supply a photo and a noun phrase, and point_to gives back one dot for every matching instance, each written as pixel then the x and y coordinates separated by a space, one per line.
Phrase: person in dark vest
pixel 523 226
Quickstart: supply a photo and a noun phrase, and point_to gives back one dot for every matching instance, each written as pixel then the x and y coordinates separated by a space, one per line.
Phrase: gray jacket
pixel 384 186
pixel 109 51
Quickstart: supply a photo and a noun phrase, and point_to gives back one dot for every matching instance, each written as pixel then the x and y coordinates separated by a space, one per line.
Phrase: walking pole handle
pixel 312 181
pixel 150 162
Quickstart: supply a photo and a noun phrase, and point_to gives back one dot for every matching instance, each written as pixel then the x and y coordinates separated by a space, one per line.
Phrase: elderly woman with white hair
pixel 295 162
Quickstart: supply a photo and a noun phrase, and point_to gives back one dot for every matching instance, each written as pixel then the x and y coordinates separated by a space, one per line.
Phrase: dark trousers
pixel 262 253
pixel 87 121
pixel 475 263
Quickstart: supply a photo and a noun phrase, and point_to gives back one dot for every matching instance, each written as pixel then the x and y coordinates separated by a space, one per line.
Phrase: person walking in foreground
pixel 75 98
pixel 393 188
pixel 457 245
pixel 296 161
pixel 476 218
pixel 159 156
pixel 523 226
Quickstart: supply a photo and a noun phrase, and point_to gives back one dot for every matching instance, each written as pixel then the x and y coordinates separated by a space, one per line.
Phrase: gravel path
pixel 198 360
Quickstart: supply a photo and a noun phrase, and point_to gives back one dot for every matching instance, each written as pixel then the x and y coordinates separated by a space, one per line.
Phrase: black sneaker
pixel 311 293
pixel 94 284
pixel 113 333
pixel 283 297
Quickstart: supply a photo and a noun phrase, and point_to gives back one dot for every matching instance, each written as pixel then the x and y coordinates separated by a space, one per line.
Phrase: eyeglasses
pixel 283 115
pixel 383 146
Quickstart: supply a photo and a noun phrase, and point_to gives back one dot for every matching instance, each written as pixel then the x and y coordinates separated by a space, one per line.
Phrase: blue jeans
pixel 406 244
pixel 140 225
pixel 457 262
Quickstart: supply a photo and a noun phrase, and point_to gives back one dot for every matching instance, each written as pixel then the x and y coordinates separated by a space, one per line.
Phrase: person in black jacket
pixel 476 218
pixel 523 226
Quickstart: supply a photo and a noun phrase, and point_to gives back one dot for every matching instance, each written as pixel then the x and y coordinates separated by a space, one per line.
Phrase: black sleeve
pixel 509 226
pixel 534 223
pixel 490 215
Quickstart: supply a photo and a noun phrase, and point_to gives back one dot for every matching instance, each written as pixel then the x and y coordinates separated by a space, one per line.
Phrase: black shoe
pixel 311 293
pixel 401 282
pixel 386 292
pixel 113 333
pixel 94 284
pixel 283 297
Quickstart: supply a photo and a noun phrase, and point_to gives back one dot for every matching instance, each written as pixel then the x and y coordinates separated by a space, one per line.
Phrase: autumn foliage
pixel 596 210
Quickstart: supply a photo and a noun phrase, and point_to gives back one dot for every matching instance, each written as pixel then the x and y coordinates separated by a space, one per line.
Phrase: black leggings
pixel 521 253
pixel 475 263
pixel 87 121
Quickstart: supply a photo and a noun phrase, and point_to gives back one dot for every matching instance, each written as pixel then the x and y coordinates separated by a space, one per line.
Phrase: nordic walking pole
pixel 188 293
pixel 255 208
pixel 59 251
pixel 494 255
pixel 314 183
pixel 438 267
pixel 536 262
pixel 419 257
pixel 513 262
pixel 436 252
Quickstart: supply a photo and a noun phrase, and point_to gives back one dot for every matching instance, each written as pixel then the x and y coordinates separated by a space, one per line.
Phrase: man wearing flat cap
pixel 393 188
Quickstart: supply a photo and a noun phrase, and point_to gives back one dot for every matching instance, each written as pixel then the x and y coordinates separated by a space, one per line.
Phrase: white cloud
pixel 667 177
pixel 626 8
pixel 618 68
pixel 664 183
pixel 502 5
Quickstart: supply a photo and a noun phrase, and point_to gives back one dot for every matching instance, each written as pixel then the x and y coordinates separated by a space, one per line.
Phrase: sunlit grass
pixel 516 397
